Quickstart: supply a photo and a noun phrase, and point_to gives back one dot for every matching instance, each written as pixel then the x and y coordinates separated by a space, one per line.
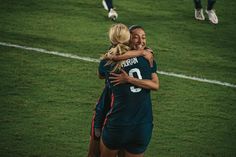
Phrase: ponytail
pixel 118 49
pixel 119 36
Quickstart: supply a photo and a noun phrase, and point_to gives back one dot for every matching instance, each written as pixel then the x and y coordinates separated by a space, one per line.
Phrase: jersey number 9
pixel 138 74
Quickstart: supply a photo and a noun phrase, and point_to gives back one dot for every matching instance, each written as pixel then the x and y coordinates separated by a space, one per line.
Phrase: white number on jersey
pixel 131 73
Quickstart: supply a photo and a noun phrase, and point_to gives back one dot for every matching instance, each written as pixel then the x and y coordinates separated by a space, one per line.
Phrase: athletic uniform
pixel 102 107
pixel 128 124
pixel 108 5
pixel 198 4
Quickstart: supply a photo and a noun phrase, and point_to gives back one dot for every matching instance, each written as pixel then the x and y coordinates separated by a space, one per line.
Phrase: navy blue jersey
pixel 101 68
pixel 102 107
pixel 131 104
pixel 154 68
pixel 104 103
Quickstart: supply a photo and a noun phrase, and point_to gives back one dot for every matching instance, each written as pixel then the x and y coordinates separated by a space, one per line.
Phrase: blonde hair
pixel 119 36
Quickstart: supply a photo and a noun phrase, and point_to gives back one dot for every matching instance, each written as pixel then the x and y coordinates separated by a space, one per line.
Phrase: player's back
pixel 132 104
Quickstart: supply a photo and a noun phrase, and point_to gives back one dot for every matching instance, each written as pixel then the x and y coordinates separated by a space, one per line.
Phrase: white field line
pixel 97 60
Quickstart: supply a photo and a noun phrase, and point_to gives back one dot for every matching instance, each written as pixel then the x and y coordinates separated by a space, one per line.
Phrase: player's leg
pixel 198 10
pixel 121 153
pixel 93 148
pixel 210 4
pixel 108 5
pixel 95 135
pixel 198 4
pixel 211 13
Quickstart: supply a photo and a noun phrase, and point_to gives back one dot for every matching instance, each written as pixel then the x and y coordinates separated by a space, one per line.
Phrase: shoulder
pixel 103 62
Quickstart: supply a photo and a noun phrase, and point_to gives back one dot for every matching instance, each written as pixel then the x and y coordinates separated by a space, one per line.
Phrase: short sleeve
pixel 154 68
pixel 101 68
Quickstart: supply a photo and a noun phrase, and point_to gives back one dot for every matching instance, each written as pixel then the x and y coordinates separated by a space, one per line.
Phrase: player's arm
pixel 152 84
pixel 131 54
pixel 123 77
pixel 147 54
pixel 101 72
pixel 100 76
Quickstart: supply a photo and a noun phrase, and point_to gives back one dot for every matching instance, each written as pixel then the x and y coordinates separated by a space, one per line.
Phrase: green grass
pixel 47 101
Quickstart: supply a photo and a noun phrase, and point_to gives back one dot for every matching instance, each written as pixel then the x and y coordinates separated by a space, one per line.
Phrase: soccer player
pixel 103 105
pixel 108 5
pixel 101 109
pixel 210 12
pixel 128 125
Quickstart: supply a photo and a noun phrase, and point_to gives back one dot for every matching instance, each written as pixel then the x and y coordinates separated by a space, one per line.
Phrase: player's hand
pixel 119 78
pixel 148 55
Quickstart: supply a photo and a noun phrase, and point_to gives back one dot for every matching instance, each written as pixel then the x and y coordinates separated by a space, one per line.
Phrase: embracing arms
pixel 123 77
pixel 146 53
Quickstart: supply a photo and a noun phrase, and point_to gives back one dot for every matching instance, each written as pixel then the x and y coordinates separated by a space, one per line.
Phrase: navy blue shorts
pixel 134 139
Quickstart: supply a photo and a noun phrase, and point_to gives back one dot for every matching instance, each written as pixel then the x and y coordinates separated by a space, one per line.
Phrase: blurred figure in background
pixel 199 15
pixel 108 5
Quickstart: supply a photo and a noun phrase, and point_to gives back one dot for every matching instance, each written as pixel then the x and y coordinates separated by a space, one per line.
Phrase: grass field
pixel 47 101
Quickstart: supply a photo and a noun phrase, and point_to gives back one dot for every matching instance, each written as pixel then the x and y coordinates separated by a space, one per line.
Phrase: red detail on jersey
pixel 111 107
